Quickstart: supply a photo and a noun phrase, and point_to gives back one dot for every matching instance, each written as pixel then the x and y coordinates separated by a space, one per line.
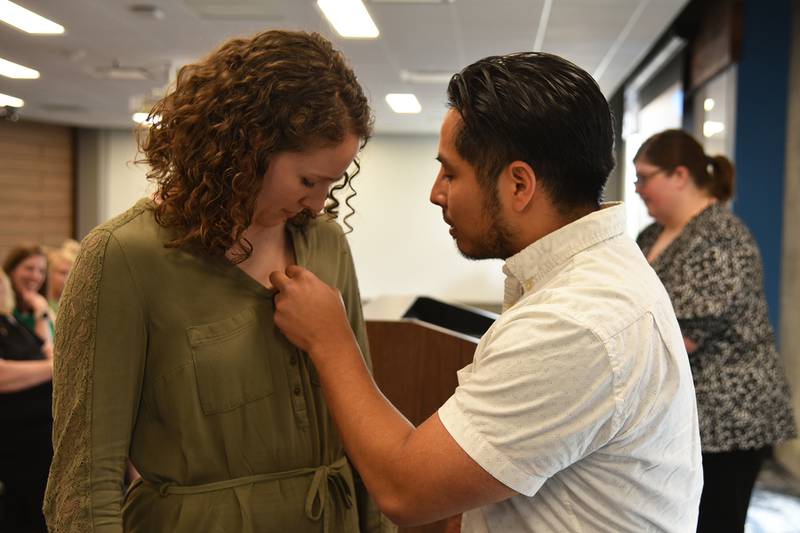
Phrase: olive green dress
pixel 173 360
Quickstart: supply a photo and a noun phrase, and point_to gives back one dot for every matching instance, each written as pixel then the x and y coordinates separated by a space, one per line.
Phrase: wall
pixel 37 182
pixel 400 242
pixel 789 453
pixel 109 182
pixel 761 111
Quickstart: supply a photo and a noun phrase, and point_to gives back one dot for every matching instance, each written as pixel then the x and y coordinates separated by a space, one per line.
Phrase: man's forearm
pixel 373 431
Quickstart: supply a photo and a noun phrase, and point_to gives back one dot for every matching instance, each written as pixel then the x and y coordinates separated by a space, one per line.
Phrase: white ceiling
pixel 605 37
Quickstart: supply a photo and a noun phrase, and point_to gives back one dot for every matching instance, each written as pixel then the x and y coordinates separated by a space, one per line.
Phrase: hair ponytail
pixel 722 175
pixel 673 148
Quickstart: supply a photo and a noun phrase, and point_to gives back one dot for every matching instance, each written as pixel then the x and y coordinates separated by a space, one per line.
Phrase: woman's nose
pixel 315 201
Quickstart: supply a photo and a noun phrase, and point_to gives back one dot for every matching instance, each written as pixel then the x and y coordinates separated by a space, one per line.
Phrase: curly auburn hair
pixel 229 114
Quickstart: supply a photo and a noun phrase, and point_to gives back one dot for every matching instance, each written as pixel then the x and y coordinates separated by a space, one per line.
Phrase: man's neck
pixel 545 221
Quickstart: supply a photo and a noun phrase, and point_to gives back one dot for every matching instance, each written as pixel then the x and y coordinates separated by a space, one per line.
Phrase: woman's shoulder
pixel 140 214
pixel 134 231
pixel 648 235
pixel 324 232
pixel 721 225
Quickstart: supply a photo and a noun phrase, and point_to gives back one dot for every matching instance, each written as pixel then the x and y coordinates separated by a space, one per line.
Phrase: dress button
pixel 296 391
pixel 293 360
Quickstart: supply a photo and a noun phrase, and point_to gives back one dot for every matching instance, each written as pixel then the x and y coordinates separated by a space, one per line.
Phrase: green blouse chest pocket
pixel 231 362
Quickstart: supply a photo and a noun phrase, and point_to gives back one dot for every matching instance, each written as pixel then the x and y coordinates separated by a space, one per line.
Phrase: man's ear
pixel 519 185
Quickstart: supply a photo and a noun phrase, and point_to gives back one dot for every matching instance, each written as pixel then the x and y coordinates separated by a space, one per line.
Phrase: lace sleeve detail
pixel 67 500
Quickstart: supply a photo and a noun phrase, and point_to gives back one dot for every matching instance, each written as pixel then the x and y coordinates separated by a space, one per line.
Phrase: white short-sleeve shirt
pixel 580 396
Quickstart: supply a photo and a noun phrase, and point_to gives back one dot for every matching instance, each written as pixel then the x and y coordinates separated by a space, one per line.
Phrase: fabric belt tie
pixel 328 488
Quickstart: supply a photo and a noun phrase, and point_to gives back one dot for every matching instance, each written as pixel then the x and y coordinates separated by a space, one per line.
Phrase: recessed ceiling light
pixel 403 103
pixel 349 18
pixel 431 77
pixel 10 69
pixel 148 11
pixel 6 100
pixel 27 20
pixel 123 73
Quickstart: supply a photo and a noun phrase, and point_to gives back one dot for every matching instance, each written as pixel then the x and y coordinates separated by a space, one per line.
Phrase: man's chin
pixel 482 250
pixel 473 253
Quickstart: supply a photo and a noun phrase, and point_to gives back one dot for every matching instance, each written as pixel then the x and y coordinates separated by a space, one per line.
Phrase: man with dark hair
pixel 578 412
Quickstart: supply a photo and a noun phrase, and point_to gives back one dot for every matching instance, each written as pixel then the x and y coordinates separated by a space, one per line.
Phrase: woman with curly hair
pixel 167 353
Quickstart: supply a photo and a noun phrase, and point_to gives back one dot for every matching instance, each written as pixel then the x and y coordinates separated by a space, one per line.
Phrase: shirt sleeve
pixel 539 397
pixel 713 287
pixel 369 516
pixel 98 368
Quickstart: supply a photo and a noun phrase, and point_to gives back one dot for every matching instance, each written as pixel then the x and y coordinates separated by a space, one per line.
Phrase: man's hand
pixel 310 312
pixel 415 475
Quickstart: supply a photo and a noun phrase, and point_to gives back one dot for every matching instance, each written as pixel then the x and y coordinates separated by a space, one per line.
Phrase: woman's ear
pixel 519 185
pixel 682 176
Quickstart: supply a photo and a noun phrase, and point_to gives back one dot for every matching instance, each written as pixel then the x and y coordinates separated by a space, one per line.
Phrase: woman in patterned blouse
pixel 711 268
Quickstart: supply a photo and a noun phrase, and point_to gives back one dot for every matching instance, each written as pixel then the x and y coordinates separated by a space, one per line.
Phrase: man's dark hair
pixel 541 109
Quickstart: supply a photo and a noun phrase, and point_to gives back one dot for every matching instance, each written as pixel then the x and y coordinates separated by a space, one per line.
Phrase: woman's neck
pixel 678 219
pixel 262 237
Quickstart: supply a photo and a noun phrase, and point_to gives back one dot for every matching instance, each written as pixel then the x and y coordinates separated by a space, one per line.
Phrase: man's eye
pixel 307 183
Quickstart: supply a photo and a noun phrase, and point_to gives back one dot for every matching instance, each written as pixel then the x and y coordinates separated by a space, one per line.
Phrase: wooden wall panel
pixel 37 184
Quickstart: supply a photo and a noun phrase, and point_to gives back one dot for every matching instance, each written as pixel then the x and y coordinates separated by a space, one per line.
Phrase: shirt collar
pixel 526 268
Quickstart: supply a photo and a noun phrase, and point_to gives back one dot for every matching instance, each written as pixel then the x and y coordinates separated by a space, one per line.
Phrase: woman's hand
pixel 47 350
pixel 35 302
pixel 691 346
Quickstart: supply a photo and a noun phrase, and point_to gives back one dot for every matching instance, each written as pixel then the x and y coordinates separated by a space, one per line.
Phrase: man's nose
pixel 439 192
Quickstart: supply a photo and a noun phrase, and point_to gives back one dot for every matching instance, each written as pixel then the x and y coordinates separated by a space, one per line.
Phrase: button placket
pixel 296 388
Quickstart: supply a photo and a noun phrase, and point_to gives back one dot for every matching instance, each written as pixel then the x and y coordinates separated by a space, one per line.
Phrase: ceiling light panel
pixel 349 18
pixel 403 103
pixel 9 69
pixel 145 119
pixel 27 20
pixel 411 1
pixel 6 100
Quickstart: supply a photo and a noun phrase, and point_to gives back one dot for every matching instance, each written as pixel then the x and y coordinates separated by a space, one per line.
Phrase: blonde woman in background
pixel 59 263
pixel 26 370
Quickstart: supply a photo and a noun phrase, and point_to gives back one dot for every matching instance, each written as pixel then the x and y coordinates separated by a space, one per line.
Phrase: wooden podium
pixel 417 346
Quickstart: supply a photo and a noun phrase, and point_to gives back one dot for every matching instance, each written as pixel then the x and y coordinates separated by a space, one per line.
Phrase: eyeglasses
pixel 641 180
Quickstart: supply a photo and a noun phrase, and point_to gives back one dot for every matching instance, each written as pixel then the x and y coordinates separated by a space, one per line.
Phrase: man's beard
pixel 496 244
